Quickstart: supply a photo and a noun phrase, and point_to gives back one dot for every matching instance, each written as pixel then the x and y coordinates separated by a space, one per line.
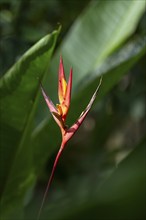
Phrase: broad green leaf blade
pixel 113 69
pixel 128 56
pixel 20 90
pixel 98 31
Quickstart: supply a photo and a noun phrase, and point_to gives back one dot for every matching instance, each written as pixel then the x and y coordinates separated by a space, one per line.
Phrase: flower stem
pixel 51 177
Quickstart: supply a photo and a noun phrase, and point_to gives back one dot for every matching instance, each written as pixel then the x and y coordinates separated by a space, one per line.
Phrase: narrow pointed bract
pixel 71 131
pixel 50 104
pixel 52 108
pixel 59 113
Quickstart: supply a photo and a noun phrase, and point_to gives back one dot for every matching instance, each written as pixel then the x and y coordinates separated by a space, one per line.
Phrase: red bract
pixel 59 113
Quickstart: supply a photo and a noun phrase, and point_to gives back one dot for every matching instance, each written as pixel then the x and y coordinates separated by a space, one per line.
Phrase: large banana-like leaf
pixel 42 142
pixel 98 31
pixel 20 90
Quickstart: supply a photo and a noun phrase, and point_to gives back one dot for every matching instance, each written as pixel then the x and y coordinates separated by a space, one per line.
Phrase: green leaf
pixel 43 143
pixel 95 35
pixel 20 90
pixel 113 69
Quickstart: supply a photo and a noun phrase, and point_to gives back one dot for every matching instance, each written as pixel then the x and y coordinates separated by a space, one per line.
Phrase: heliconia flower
pixel 59 113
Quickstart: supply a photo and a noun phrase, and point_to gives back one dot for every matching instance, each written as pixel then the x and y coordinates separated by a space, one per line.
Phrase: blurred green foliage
pixel 101 174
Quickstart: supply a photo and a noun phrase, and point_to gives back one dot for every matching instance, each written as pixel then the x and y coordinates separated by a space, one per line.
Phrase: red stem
pixel 51 177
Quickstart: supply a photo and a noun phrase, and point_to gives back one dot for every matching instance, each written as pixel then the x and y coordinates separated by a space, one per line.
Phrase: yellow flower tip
pixel 62 90
pixel 59 108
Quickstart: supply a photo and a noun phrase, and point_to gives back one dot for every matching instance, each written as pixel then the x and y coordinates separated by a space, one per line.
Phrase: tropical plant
pixel 101 173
